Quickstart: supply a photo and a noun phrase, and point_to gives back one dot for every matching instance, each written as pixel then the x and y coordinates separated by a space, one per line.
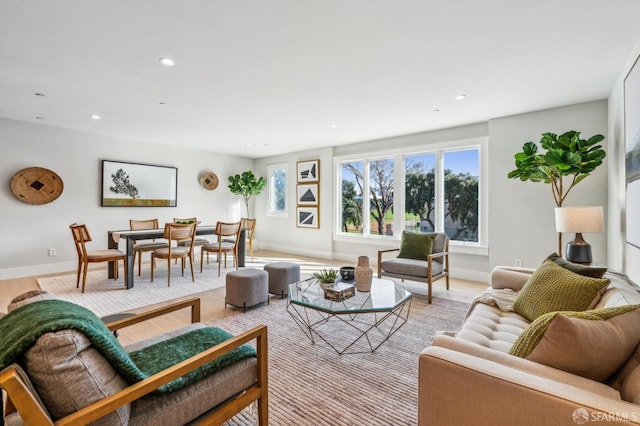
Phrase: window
pixel 420 192
pixel 352 181
pixel 432 191
pixel 461 195
pixel 361 180
pixel 277 189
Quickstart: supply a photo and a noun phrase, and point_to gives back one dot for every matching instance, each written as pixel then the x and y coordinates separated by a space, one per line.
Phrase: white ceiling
pixel 278 74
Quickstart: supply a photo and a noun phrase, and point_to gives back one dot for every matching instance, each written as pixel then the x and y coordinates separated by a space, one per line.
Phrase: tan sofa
pixel 470 378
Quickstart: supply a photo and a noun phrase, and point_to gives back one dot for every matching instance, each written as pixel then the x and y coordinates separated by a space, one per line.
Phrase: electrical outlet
pixel 52 252
pixel 518 262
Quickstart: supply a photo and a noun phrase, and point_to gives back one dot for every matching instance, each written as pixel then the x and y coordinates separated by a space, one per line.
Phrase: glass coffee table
pixel 358 324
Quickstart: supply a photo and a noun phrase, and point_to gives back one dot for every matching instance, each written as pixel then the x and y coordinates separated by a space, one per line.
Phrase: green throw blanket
pixel 20 329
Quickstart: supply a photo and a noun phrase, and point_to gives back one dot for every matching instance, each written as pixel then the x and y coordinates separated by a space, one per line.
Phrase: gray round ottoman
pixel 281 274
pixel 246 288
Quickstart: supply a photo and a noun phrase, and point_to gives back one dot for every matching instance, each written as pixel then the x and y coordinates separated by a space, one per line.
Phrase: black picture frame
pixel 127 184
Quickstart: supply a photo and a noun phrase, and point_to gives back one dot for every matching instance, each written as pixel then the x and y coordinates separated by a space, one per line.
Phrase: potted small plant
pixel 326 277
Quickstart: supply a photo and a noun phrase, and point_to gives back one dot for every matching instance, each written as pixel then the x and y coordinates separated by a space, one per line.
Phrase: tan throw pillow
pixel 592 344
pixel 416 245
pixel 29 297
pixel 552 288
pixel 69 373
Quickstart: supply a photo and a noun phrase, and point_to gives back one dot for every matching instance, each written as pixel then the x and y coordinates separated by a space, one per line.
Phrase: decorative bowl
pixel 347 273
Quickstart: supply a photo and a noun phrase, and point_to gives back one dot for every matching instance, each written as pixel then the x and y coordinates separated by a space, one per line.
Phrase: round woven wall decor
pixel 209 181
pixel 36 185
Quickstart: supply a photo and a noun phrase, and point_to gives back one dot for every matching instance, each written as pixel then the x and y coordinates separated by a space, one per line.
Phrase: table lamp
pixel 579 220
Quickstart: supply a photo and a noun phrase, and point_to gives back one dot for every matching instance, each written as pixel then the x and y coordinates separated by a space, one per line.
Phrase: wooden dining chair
pixel 196 241
pixel 223 231
pixel 176 233
pixel 80 238
pixel 143 246
pixel 249 226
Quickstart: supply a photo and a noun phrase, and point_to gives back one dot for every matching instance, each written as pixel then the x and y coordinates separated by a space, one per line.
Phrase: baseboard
pixel 295 250
pixel 28 271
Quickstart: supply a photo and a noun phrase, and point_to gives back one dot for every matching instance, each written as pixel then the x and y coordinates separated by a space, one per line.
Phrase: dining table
pixel 113 239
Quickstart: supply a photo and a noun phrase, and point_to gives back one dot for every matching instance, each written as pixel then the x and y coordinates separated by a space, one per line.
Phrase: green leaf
pixel 573 158
pixel 595 139
pixel 521 156
pixel 529 148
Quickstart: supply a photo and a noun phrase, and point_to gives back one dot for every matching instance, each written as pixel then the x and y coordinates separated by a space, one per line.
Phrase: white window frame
pixel 480 143
pixel 271 190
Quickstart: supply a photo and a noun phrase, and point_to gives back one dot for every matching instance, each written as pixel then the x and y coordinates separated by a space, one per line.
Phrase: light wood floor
pixel 212 302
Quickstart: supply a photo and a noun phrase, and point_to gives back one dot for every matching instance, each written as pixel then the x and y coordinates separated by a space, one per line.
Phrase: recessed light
pixel 333 126
pixel 266 144
pixel 460 97
pixel 167 62
pixel 247 145
pixel 162 103
pixel 436 110
pixel 39 118
pixel 39 94
pixel 95 117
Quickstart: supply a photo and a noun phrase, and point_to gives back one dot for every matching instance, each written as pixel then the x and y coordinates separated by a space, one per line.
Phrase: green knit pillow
pixel 554 288
pixel 416 245
pixel 592 344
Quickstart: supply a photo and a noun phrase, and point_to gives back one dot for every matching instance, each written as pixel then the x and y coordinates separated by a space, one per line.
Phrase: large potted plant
pixel 247 185
pixel 566 157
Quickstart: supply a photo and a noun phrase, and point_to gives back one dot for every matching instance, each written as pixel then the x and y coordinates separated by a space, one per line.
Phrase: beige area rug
pixel 106 296
pixel 313 385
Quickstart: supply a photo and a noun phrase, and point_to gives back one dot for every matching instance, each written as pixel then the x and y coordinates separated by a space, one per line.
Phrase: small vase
pixel 364 274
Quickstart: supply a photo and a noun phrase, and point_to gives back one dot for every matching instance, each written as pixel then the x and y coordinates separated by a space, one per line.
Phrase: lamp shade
pixel 579 219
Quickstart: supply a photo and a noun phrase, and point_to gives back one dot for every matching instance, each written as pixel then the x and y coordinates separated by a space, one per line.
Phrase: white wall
pixel 622 256
pixel 281 233
pixel 520 223
pixel 30 230
pixel 521 218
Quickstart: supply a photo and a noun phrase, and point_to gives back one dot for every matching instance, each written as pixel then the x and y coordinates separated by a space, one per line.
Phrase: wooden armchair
pixel 210 400
pixel 432 268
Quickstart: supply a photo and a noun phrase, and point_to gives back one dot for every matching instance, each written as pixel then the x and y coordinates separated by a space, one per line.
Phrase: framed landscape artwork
pixel 308 171
pixel 307 217
pixel 632 153
pixel 308 195
pixel 138 185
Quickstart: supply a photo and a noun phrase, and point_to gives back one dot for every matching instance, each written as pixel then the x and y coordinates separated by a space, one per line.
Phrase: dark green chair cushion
pixel 416 245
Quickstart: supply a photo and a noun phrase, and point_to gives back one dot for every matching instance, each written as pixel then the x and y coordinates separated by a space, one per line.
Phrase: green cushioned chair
pixel 422 257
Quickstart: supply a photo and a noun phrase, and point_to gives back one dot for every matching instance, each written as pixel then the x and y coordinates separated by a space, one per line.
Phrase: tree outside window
pixel 351 207
pixel 277 189
pixel 454 210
